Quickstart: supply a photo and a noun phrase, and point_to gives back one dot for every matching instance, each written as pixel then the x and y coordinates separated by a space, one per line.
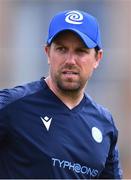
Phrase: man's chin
pixel 69 87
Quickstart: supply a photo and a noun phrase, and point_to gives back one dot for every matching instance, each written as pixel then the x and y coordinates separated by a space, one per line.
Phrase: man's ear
pixel 99 57
pixel 47 51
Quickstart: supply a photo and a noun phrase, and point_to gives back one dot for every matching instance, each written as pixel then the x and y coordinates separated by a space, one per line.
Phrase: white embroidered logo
pixel 97 135
pixel 74 17
pixel 47 121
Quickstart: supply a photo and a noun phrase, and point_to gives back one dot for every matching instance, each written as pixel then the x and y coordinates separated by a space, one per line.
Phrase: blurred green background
pixel 23 32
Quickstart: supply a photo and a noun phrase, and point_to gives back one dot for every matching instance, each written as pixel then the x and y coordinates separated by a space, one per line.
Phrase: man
pixel 51 128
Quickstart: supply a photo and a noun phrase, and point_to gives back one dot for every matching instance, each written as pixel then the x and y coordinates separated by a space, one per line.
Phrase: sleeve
pixel 4 98
pixel 3 126
pixel 7 97
pixel 112 168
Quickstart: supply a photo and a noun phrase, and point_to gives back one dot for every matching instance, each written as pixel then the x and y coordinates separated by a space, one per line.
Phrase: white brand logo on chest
pixel 47 122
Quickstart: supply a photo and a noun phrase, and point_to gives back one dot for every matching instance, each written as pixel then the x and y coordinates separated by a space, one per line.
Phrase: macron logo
pixel 47 121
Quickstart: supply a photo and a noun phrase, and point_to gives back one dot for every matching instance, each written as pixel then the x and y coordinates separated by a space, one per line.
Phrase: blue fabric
pixel 82 23
pixel 79 144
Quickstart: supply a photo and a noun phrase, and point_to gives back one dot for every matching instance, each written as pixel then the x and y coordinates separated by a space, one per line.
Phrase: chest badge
pixel 97 134
pixel 47 122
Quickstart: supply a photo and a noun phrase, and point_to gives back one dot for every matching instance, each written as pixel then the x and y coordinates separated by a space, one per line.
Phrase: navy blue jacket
pixel 40 137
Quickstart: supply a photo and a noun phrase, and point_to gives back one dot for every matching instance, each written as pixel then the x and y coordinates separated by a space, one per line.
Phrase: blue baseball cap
pixel 82 23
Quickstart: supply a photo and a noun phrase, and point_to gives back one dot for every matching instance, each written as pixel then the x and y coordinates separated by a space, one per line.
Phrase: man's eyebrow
pixel 83 47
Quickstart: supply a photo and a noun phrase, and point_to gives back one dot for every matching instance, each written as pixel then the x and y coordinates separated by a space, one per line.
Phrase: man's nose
pixel 71 58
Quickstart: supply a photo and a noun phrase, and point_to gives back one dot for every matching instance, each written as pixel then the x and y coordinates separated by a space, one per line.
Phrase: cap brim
pixel 87 41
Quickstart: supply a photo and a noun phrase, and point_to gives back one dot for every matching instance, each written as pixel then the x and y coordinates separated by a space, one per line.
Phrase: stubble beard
pixel 69 86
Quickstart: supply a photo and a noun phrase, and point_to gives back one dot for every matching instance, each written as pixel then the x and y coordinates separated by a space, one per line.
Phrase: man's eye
pixel 83 51
pixel 61 49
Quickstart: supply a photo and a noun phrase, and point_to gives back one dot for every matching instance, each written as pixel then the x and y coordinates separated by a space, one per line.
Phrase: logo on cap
pixel 74 17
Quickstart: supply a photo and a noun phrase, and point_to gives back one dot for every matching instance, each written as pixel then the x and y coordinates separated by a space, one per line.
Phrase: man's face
pixel 71 62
